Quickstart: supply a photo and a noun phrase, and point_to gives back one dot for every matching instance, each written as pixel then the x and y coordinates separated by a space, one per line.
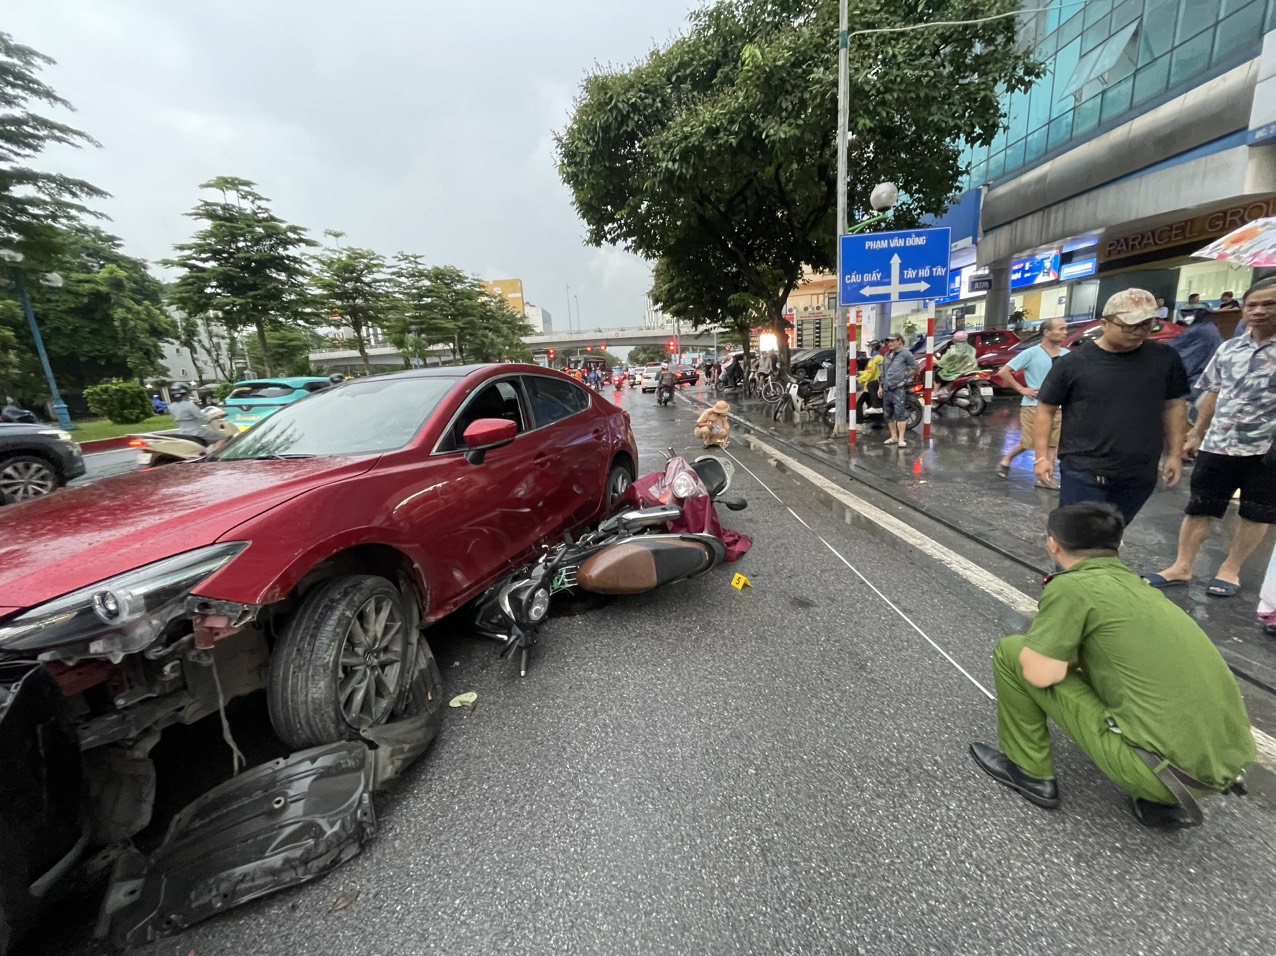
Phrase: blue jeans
pixel 1128 495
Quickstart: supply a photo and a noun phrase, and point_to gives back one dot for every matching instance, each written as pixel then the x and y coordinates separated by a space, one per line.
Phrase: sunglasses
pixel 1132 329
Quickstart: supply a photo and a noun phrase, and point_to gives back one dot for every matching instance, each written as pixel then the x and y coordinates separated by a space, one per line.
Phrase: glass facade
pixel 1108 60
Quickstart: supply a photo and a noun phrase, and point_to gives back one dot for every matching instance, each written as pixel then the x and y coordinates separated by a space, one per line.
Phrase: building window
pixel 1111 61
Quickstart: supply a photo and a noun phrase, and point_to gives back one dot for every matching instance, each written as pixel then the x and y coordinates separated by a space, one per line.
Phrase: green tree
pixel 352 283
pixel 414 323
pixel 290 349
pixel 646 354
pixel 34 205
pixel 244 266
pixel 718 152
pixel 106 320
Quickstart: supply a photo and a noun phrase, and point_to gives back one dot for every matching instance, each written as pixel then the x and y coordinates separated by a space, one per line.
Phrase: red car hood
pixel 73 538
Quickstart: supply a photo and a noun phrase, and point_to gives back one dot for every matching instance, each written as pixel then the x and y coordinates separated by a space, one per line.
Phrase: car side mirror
pixel 485 434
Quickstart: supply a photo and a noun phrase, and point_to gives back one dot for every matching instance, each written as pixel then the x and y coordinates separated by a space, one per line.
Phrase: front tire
pixel 342 663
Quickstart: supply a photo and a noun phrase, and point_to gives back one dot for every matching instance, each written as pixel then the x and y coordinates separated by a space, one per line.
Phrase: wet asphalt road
pixel 778 769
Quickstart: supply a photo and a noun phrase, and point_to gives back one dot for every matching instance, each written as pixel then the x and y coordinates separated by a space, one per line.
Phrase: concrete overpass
pixel 563 344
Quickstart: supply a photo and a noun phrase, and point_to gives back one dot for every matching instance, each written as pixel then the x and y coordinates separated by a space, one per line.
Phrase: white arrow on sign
pixel 894 289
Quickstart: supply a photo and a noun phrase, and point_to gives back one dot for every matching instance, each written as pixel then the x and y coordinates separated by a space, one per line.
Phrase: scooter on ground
pixel 811 395
pixel 870 411
pixel 169 447
pixel 627 553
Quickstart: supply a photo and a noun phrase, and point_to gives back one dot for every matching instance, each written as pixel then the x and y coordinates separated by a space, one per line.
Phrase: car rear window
pixel 360 418
pixel 260 390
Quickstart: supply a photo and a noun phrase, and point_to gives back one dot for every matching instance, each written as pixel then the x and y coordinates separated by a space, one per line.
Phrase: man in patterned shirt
pixel 1234 431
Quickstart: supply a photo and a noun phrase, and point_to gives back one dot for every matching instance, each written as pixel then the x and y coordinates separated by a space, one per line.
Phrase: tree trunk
pixel 265 352
pixel 779 325
pixel 363 348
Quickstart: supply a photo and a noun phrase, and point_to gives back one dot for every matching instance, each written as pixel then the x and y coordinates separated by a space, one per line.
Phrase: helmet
pixel 336 378
pixel 664 365
pixel 960 336
pixel 179 390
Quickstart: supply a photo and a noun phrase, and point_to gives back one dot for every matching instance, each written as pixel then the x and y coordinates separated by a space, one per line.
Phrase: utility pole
pixel 569 308
pixel 841 358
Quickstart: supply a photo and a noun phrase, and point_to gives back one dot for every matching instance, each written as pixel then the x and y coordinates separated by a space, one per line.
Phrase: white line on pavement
pixel 984 580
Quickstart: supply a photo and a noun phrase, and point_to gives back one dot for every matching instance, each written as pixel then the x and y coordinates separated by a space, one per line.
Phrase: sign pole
pixel 928 383
pixel 853 334
pixel 843 313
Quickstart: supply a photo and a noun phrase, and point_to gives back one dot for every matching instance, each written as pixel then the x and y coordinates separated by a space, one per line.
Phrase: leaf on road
pixel 464 700
pixel 344 900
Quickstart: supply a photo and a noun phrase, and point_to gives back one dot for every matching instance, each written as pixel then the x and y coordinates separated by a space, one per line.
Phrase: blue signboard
pixel 893 266
pixel 954 286
pixel 1034 271
pixel 1079 269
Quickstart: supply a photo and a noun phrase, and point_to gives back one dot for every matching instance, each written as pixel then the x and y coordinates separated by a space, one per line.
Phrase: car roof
pixel 291 382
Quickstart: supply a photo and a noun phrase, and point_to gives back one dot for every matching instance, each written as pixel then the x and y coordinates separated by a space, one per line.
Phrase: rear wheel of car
pixel 26 476
pixel 341 665
pixel 618 482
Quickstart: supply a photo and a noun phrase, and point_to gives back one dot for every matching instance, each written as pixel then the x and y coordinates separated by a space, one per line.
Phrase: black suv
pixel 34 460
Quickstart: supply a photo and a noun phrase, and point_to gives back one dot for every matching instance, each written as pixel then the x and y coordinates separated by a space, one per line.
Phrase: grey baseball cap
pixel 1130 306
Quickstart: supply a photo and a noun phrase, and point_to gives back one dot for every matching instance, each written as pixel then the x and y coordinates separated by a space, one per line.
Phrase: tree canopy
pixel 245 265
pixel 352 286
pixel 34 203
pixel 716 157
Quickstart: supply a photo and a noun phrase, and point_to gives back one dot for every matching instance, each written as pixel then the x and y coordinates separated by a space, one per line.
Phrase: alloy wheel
pixel 26 478
pixel 372 662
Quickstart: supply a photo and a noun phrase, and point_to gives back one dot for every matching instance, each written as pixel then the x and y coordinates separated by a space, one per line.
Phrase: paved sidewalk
pixel 952 478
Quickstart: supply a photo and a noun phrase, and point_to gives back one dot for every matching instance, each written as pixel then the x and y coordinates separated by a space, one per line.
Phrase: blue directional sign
pixel 893 266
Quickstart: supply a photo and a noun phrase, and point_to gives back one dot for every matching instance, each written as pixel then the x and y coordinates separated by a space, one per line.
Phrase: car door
pixel 573 448
pixel 488 515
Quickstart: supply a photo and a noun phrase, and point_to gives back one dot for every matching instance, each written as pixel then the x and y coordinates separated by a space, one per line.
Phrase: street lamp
pixel 18 276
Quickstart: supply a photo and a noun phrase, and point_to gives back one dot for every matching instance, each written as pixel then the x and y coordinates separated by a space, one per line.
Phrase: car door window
pixel 495 400
pixel 552 399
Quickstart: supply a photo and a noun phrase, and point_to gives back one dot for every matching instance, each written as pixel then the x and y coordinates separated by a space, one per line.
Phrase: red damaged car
pixel 304 557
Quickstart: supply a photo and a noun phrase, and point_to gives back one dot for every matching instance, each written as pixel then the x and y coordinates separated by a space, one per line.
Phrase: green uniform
pixel 1143 673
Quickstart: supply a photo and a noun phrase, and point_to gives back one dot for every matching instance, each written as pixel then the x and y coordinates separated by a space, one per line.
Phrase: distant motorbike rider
pixel 665 380
pixel 731 373
pixel 192 421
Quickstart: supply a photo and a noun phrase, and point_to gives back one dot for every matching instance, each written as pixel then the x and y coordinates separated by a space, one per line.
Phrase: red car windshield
pixel 360 418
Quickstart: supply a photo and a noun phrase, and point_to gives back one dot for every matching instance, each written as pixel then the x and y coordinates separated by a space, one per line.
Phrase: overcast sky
pixel 406 124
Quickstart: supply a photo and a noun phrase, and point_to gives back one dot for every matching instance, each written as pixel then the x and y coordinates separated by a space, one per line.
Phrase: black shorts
pixel 1217 477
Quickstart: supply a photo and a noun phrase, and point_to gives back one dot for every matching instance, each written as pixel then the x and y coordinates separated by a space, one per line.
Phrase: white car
pixel 650 376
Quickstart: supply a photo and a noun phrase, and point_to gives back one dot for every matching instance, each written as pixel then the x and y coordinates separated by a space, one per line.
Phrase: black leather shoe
pixel 1044 793
pixel 1159 816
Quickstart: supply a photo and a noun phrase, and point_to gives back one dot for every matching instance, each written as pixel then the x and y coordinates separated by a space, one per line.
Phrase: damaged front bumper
pixel 277 825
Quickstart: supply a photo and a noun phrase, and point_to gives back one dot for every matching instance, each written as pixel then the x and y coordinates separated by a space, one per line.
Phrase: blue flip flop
pixel 1161 582
pixel 1222 589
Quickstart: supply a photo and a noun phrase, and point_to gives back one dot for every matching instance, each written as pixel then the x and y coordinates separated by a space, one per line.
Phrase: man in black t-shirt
pixel 1124 402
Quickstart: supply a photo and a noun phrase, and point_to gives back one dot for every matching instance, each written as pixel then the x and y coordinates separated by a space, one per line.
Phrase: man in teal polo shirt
pixel 1123 672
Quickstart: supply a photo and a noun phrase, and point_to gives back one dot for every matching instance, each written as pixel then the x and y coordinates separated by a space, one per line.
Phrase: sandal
pixel 1003 471
pixel 1218 588
pixel 1161 582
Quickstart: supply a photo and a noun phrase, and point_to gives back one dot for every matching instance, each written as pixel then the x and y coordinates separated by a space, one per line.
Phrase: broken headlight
pixel 141 600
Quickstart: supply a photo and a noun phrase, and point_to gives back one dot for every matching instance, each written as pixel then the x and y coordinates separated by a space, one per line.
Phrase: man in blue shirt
pixel 1035 363
pixel 1196 347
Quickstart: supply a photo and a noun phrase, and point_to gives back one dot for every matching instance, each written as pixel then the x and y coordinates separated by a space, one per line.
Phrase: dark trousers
pixel 1128 495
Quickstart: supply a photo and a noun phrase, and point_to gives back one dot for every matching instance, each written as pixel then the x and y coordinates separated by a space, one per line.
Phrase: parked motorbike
pixel 627 553
pixel 812 395
pixel 169 447
pixel 972 391
pixel 869 407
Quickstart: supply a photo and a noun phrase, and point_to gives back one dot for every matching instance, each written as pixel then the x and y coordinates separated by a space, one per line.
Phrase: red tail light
pixel 137 443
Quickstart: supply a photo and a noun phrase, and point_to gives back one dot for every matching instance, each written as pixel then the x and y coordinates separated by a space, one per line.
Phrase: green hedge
pixel 125 403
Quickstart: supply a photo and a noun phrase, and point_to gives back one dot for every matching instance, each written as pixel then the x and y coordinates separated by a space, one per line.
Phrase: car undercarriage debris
pixel 271 827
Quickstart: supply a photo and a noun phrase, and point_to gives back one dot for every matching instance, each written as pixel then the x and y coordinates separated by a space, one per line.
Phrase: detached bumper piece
pixel 275 826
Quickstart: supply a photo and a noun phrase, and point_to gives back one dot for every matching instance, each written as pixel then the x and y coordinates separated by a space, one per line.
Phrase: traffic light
pixel 603 346
pixel 672 346
pixel 551 355
pixel 589 348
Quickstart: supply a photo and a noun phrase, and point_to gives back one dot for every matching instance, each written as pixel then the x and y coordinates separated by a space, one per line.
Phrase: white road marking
pixel 984 580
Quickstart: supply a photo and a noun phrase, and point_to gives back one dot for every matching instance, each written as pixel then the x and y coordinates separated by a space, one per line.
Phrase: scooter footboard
pixel 646 562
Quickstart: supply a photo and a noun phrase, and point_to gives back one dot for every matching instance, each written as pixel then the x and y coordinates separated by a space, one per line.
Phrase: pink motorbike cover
pixel 699 516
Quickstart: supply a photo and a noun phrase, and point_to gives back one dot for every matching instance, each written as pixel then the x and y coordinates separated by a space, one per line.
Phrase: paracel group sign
pixel 1200 229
